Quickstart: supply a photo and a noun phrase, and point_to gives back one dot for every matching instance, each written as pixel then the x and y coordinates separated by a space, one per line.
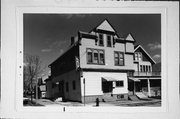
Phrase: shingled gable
pixel 144 51
pixel 129 37
pixel 105 25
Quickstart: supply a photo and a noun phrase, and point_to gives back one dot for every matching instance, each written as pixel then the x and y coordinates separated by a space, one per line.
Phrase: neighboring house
pixel 41 88
pixel 147 76
pixel 98 64
pixel 42 91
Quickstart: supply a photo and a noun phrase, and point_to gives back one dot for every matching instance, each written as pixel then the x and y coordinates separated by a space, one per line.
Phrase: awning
pixel 109 79
pixel 134 79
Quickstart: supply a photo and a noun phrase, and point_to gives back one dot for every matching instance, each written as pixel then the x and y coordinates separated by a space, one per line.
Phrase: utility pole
pixel 84 90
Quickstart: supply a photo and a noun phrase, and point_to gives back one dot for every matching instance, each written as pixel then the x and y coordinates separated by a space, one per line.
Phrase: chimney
pixel 72 40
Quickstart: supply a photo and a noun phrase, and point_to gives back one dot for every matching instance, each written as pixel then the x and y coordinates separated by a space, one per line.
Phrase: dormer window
pixel 109 41
pixel 101 40
pixel 138 56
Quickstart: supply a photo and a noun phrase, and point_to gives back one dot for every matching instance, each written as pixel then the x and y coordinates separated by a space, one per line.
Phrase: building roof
pixel 139 46
pixel 105 25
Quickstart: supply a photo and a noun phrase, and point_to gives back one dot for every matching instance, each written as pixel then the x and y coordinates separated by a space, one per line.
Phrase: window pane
pixel 116 58
pixel 119 83
pixel 121 59
pixel 146 68
pixel 116 61
pixel 120 55
pixel 141 68
pixel 101 41
pixel 109 41
pixel 89 60
pixel 121 62
pixel 136 56
pixel 101 57
pixel 116 55
pixel 149 68
pixel 95 56
pixel 139 56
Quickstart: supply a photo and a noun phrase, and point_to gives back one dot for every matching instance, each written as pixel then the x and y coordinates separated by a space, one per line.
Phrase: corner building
pixel 98 64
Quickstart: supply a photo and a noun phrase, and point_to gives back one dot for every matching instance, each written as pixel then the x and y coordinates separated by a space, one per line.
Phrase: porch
pixel 149 86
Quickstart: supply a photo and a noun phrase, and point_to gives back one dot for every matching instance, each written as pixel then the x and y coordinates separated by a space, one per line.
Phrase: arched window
pixel 101 57
pixel 89 56
pixel 96 57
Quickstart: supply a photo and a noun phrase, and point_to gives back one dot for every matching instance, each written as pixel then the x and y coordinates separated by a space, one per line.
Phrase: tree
pixel 32 69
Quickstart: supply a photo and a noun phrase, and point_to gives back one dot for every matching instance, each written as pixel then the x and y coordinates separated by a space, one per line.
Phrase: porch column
pixel 134 91
pixel 149 88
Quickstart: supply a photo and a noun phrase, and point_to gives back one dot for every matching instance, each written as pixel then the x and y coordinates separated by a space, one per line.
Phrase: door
pixel 61 89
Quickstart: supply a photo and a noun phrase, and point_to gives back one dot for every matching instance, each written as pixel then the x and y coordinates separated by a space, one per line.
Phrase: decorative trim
pixel 105 31
pixel 139 46
pixel 86 35
pixel 128 41
pixel 107 70
pixel 129 53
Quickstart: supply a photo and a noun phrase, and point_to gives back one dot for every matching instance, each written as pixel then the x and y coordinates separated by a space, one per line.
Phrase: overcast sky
pixel 48 35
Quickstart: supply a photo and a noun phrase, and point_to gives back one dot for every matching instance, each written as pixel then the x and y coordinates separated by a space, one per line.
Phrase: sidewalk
pixel 154 102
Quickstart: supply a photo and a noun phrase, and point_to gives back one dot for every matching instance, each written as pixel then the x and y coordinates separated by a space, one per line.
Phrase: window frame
pixel 101 39
pixel 138 55
pixel 110 40
pixel 120 83
pixel 98 52
pixel 87 51
pixel 118 52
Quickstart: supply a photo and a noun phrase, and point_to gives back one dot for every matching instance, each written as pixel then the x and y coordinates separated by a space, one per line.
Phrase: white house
pixel 98 64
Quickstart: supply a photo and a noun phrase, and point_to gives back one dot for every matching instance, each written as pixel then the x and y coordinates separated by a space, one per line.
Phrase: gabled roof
pixel 139 46
pixel 129 37
pixel 105 25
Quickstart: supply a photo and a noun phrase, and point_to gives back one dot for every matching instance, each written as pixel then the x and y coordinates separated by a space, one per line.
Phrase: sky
pixel 48 35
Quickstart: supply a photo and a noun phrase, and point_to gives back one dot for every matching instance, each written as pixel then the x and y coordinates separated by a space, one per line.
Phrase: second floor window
pixel 89 56
pixel 74 85
pixel 67 87
pixel 119 58
pixel 95 56
pixel 101 40
pixel 109 44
